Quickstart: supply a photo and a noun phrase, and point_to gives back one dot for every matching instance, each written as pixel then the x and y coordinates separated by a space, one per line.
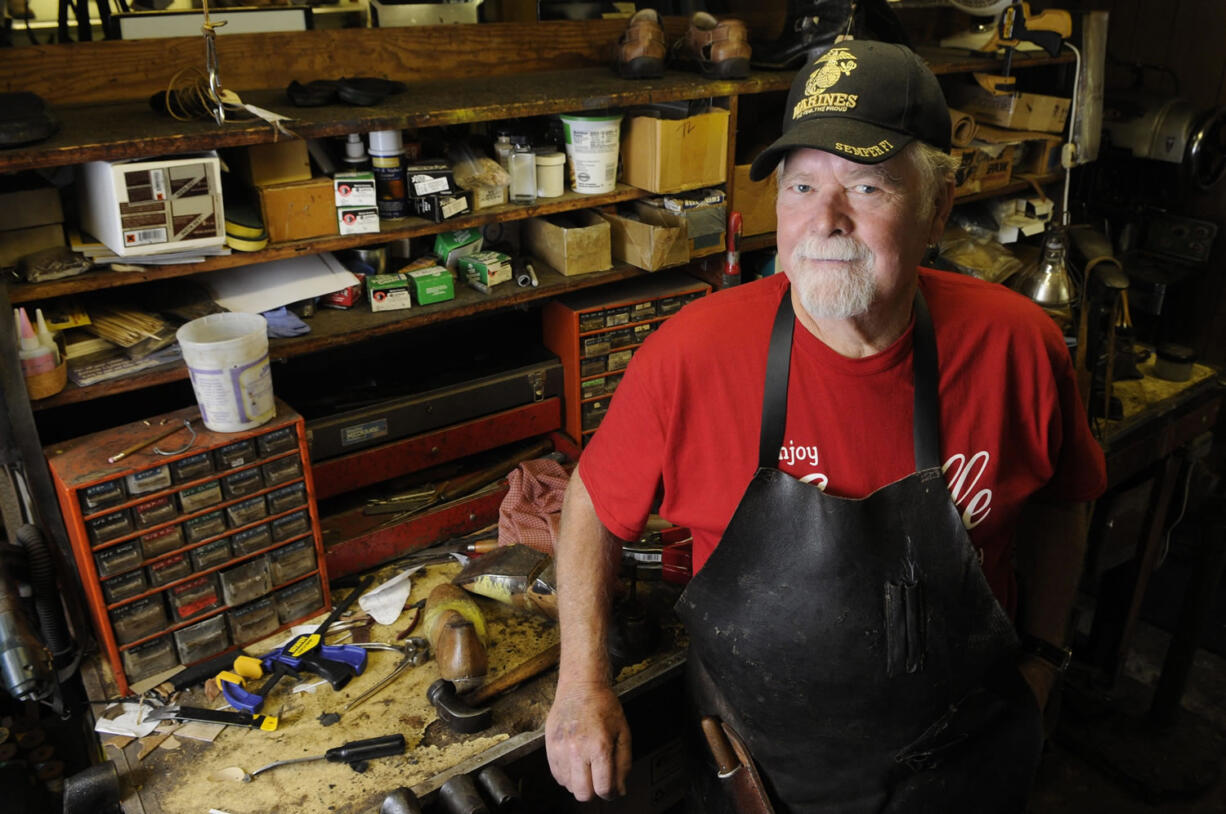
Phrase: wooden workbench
pixel 180 775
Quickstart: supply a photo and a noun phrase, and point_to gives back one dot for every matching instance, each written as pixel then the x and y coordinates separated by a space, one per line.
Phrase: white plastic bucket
pixel 227 357
pixel 592 144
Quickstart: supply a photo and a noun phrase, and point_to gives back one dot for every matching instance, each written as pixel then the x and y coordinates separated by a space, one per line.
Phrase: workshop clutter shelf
pixel 184 554
pixel 595 334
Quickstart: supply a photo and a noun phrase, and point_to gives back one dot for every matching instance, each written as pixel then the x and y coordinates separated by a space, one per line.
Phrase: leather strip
pixel 775 395
pixel 927 413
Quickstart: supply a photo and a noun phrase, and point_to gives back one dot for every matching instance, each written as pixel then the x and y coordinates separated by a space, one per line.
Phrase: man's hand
pixel 588 741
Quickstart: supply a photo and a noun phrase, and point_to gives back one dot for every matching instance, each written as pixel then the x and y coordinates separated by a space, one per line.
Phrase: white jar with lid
pixel 550 174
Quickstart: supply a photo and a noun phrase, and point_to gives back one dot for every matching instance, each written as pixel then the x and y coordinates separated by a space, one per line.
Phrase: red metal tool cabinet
pixel 187 554
pixel 595 332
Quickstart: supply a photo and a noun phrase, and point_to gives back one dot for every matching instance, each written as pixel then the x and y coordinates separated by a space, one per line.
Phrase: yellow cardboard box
pixel 650 239
pixel 669 155
pixel 576 243
pixel 755 200
pixel 299 210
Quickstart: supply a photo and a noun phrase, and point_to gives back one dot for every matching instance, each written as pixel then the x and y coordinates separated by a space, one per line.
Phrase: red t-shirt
pixel 683 424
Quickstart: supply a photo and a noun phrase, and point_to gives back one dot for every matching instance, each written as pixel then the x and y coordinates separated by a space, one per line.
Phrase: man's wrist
pixel 1058 657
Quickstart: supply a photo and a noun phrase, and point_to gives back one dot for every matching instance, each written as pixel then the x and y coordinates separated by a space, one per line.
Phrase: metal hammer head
pixel 456 713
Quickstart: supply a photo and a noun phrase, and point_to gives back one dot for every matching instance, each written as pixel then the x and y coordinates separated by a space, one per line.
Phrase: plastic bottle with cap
pixel 45 337
pixel 35 357
pixel 387 161
pixel 355 158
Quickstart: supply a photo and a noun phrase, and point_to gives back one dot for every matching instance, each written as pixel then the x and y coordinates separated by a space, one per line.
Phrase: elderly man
pixel 859 487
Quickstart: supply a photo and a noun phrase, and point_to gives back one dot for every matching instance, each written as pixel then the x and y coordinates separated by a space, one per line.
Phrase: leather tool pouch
pixel 24 118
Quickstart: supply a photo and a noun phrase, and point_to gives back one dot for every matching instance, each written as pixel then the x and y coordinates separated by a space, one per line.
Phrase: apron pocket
pixel 904 627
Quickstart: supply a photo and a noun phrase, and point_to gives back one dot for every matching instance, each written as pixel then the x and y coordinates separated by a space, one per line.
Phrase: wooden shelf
pixel 333 328
pixel 943 61
pixel 123 130
pixel 391 230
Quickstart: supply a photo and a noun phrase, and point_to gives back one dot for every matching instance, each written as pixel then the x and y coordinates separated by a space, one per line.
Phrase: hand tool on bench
pixel 464 713
pixel 353 753
pixel 176 712
pixel 735 768
pixel 415 651
pixel 306 652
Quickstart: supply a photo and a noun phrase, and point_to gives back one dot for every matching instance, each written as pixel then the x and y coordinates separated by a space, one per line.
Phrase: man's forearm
pixel 586 558
pixel 1051 554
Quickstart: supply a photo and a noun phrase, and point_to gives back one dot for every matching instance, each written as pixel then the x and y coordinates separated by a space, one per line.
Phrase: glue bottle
pixel 35 357
pixel 45 337
pixel 387 160
pixel 523 175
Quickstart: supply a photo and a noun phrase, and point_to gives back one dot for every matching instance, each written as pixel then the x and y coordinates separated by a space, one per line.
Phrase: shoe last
pixel 642 48
pixel 719 47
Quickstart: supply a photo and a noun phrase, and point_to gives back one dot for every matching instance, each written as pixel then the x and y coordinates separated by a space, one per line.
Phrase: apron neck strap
pixel 927 412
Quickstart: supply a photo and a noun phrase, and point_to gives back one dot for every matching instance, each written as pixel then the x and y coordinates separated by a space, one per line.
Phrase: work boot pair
pixel 718 48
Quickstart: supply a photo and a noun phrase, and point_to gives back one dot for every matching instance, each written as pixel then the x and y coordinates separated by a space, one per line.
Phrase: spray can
pixel 387 161
pixel 732 260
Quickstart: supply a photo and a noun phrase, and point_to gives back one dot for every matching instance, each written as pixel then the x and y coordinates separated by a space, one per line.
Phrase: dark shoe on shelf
pixel 812 26
pixel 642 47
pixel 720 48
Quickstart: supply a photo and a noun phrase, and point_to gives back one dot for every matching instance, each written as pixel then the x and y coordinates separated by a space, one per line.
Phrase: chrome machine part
pixel 1170 130
pixel 25 664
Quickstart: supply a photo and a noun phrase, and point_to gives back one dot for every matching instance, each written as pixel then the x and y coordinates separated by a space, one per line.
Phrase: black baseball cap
pixel 863 100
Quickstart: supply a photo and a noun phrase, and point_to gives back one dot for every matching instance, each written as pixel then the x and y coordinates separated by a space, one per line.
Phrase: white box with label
pixel 153 207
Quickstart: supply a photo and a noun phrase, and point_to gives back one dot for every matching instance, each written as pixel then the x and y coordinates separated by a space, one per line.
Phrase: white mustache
pixel 843 249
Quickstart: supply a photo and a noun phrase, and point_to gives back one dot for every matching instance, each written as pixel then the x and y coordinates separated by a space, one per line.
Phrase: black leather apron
pixel 855 644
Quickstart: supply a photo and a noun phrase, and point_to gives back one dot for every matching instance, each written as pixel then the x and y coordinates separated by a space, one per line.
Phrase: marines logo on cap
pixel 834 65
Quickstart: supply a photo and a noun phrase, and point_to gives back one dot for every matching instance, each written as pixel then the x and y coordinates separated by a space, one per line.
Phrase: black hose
pixel 46 594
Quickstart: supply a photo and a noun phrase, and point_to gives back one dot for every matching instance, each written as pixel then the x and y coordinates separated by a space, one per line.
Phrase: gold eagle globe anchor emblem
pixel 836 63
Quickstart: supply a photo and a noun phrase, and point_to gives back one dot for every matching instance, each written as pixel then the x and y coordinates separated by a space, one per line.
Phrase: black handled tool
pixel 353 752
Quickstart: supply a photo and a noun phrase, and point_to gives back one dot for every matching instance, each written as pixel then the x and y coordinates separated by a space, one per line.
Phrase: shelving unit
pixel 456 75
pixel 188 553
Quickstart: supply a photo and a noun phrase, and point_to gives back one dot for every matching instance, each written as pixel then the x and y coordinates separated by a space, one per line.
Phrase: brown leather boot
pixel 642 47
pixel 719 47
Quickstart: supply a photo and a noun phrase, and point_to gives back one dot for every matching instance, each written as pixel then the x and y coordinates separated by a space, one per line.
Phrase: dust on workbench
pixel 183 780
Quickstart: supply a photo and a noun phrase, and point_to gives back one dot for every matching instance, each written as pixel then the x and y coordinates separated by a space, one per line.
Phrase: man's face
pixel 851 235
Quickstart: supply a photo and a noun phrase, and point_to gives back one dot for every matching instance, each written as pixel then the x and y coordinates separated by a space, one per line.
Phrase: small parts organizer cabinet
pixel 187 554
pixel 596 332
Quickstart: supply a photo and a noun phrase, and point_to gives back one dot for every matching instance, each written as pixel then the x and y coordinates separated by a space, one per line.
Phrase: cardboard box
pixel 357 220
pixel 982 167
pixel 1017 111
pixel 429 178
pixel 345 298
pixel 576 243
pixel 755 200
pixel 484 270
pixel 299 210
pixel 451 246
pixel 439 207
pixel 649 238
pixel 354 189
pixel 152 207
pixel 18 243
pixel 486 197
pixel 669 155
pixel 431 285
pixel 27 200
pixel 279 162
pixel 388 292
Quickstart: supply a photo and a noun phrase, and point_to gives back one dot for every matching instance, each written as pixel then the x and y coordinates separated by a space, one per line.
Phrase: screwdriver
pixel 351 753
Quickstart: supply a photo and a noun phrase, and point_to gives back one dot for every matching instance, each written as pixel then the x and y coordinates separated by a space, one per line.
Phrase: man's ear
pixel 940 213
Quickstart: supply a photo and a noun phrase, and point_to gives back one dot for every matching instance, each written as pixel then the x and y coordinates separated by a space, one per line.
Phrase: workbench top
pixel 182 775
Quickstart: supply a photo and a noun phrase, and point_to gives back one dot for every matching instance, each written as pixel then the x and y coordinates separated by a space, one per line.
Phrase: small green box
pixel 450 246
pixel 388 292
pixel 431 285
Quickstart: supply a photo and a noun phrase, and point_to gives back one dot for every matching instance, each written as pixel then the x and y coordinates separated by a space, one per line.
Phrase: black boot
pixel 813 26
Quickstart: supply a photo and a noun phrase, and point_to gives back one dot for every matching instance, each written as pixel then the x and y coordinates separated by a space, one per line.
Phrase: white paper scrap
pixel 263 286
pixel 133 722
pixel 385 603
